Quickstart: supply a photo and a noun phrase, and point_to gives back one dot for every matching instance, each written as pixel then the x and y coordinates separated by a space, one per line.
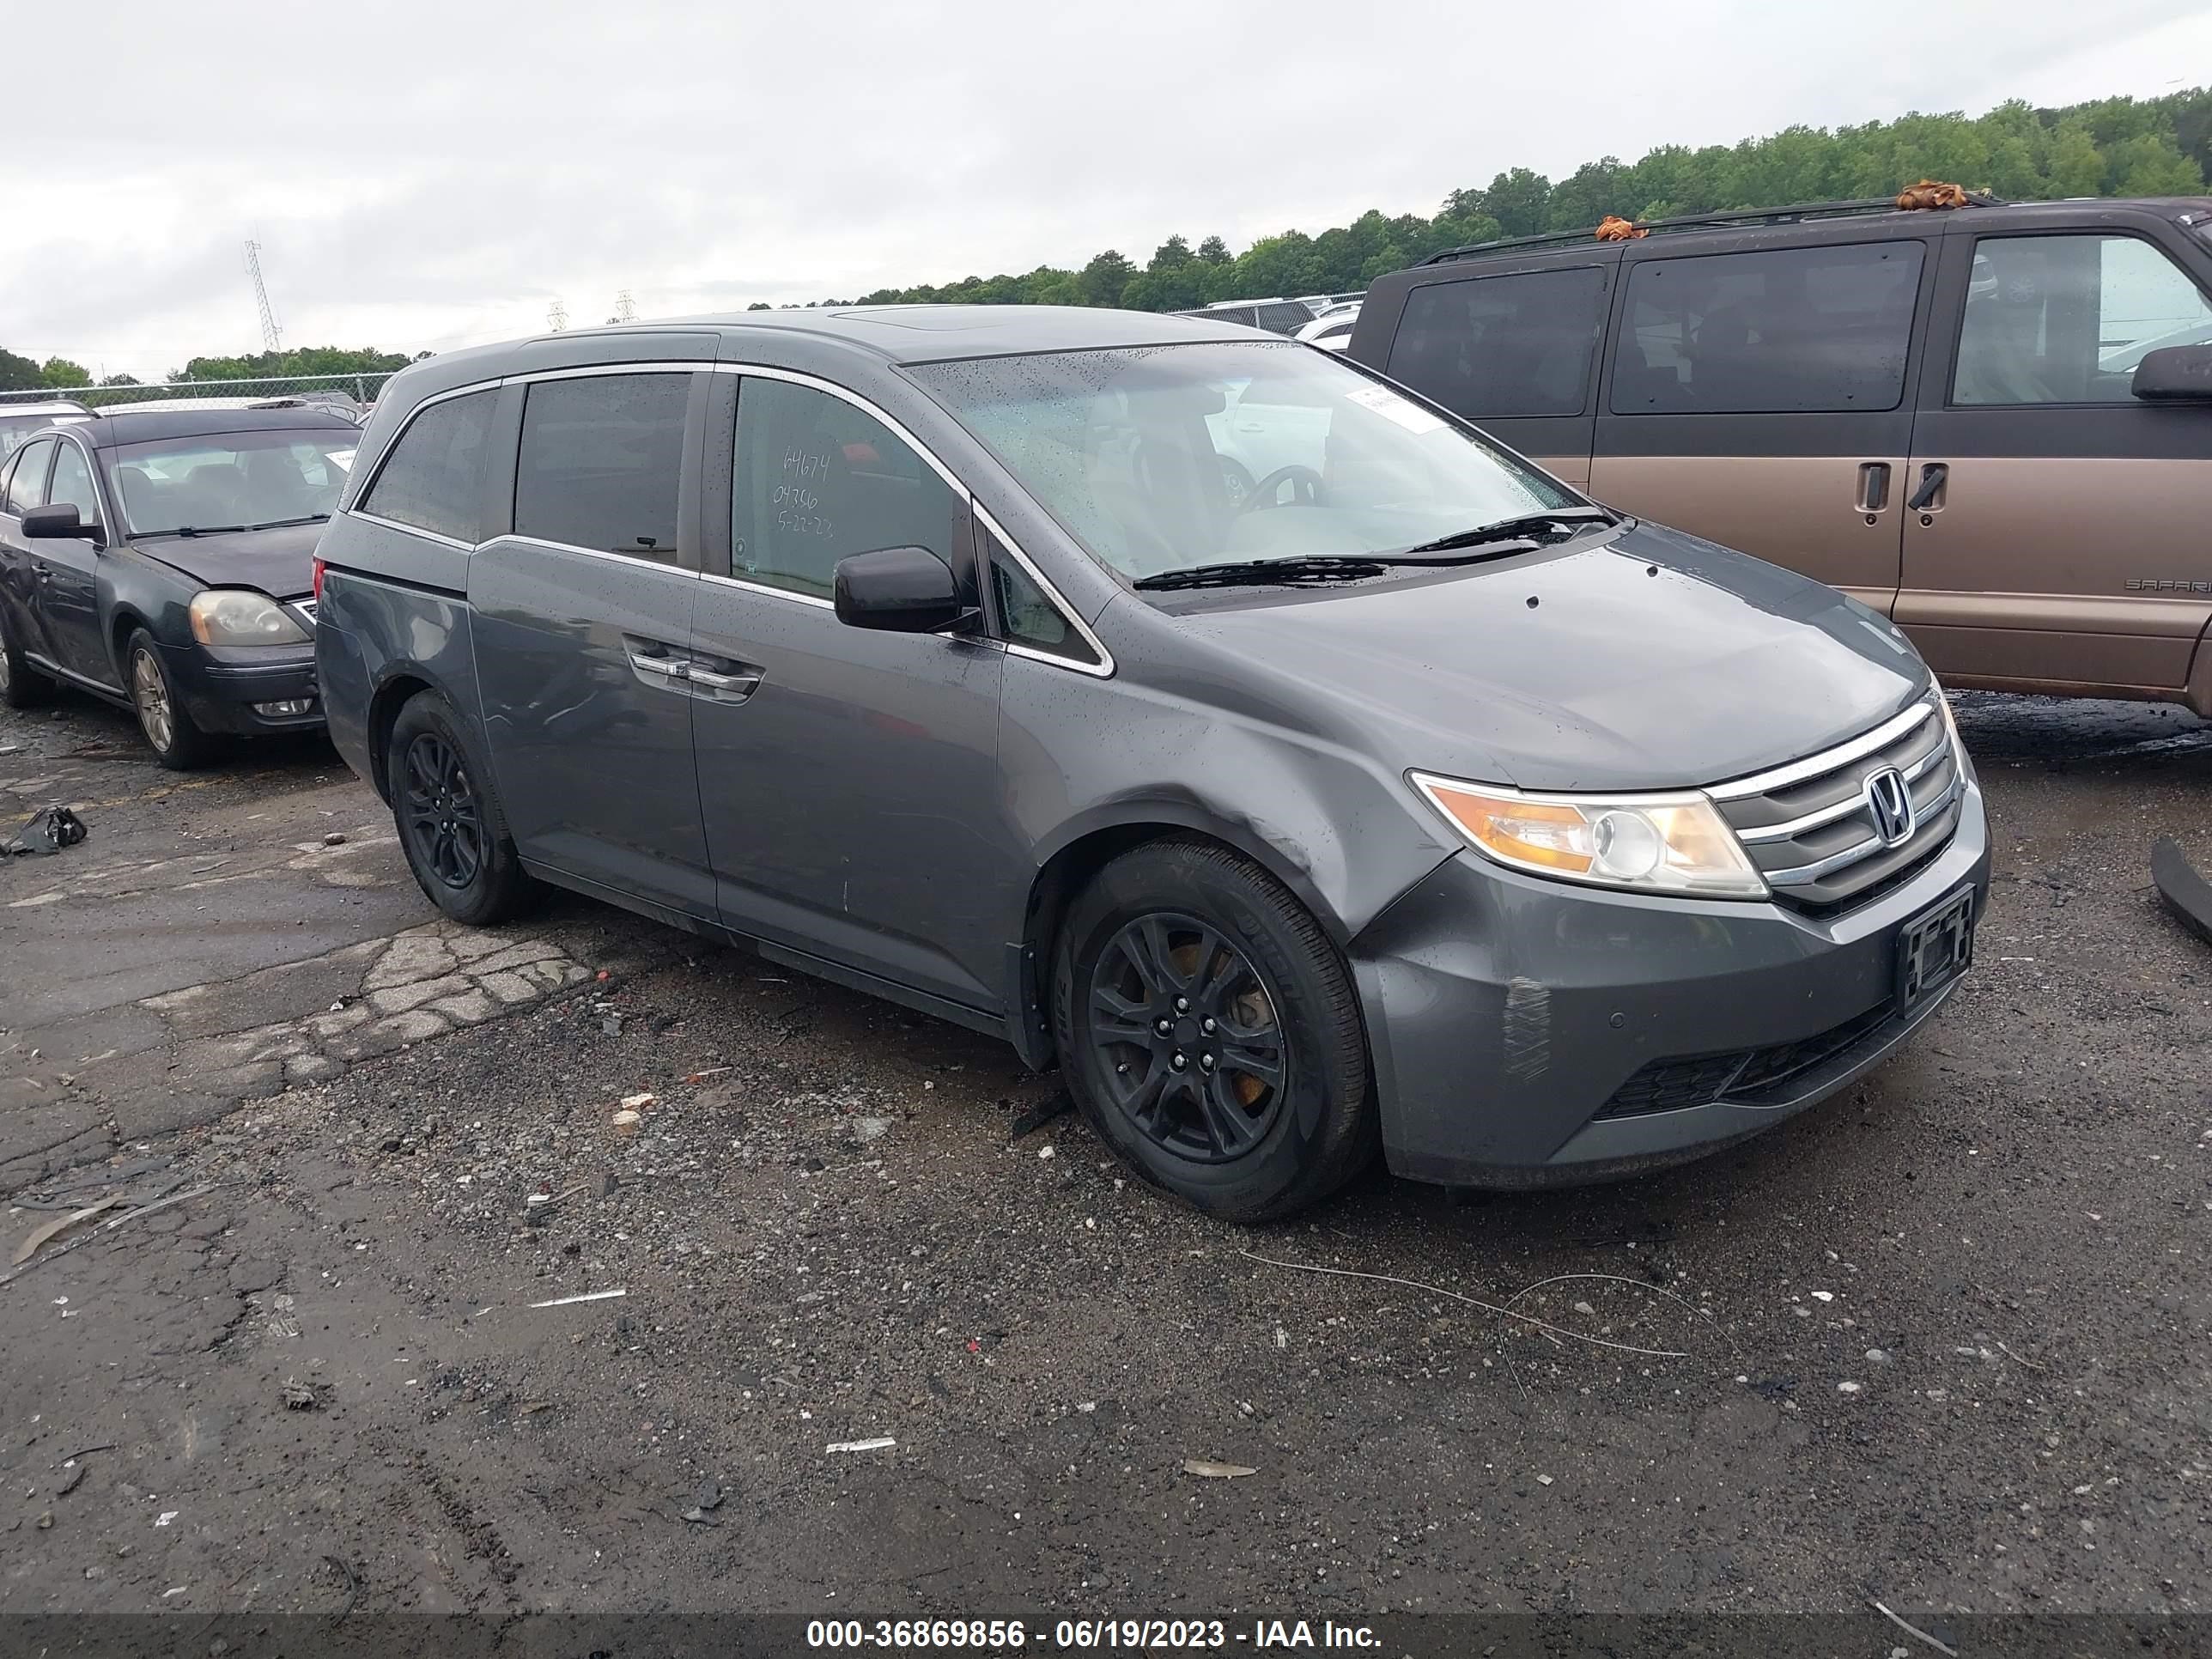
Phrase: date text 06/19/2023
pixel 1007 1635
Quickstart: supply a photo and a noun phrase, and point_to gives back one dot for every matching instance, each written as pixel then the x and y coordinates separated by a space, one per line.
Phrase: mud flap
pixel 2186 893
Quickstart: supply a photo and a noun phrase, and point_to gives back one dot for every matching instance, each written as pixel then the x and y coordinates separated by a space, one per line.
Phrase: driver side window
pixel 818 480
pixel 2065 319
pixel 72 484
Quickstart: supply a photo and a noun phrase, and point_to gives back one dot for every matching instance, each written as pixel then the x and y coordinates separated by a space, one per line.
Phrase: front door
pixel 582 612
pixel 850 777
pixel 2056 530
pixel 1762 398
pixel 69 574
pixel 25 477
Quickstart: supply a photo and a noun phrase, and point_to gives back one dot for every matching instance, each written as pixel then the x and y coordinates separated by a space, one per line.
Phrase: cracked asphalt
pixel 1941 1343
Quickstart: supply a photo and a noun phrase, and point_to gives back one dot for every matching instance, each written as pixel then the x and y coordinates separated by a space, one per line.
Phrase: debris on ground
pixel 26 1262
pixel 336 838
pixel 881 1443
pixel 588 1296
pixel 59 1225
pixel 626 1123
pixel 2186 893
pixel 1036 1117
pixel 1206 1468
pixel 300 1398
pixel 46 830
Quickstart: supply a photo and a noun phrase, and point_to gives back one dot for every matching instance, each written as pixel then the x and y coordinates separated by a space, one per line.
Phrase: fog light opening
pixel 290 706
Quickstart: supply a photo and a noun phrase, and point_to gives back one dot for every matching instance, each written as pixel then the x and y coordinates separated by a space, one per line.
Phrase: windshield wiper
pixel 205 529
pixel 1261 573
pixel 1527 527
pixel 283 524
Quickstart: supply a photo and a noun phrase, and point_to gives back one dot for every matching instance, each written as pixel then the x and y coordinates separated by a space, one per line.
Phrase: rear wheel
pixel 21 686
pixel 176 741
pixel 451 826
pixel 1209 1031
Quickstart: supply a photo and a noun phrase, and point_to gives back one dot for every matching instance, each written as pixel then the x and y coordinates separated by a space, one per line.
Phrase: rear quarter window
pixel 1771 331
pixel 433 478
pixel 600 462
pixel 1496 347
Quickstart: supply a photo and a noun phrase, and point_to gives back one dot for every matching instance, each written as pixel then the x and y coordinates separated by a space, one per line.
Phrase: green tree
pixel 18 374
pixel 60 372
pixel 303 360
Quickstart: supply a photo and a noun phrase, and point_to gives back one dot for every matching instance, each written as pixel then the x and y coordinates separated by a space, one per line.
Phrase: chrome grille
pixel 1812 827
pixel 306 607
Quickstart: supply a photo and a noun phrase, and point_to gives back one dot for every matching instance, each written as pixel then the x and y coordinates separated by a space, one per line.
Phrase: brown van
pixel 1993 424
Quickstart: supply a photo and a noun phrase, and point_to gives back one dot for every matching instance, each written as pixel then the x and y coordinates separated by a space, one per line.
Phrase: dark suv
pixel 1405 796
pixel 162 560
pixel 1993 423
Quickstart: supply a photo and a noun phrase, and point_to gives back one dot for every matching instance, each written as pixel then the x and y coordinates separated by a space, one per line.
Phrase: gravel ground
pixel 1941 1343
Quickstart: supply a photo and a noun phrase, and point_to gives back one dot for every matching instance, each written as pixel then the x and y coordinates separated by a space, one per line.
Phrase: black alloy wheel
pixel 1187 1037
pixel 440 813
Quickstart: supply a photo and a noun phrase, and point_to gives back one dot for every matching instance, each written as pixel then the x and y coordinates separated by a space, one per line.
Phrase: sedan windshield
pixel 1163 458
pixel 231 480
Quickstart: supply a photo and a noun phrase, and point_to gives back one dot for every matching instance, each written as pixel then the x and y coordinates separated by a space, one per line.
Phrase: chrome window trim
pixel 551 545
pixel 437 536
pixel 1829 760
pixel 101 504
pixel 1101 670
pixel 763 588
pixel 815 382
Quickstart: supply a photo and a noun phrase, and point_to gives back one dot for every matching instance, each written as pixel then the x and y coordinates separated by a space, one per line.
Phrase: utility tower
pixel 272 337
pixel 556 315
pixel 625 307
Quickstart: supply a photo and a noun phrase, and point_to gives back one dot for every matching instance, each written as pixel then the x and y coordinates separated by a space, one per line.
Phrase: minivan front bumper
pixel 1527 1032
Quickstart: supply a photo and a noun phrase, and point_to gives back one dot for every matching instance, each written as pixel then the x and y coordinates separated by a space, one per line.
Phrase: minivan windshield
pixel 1163 459
pixel 231 480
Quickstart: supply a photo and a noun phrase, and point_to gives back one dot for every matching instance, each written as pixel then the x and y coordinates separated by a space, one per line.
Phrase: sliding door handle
pixel 1874 486
pixel 1929 498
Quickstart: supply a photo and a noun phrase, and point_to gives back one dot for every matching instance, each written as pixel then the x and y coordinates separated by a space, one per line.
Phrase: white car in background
pixel 1331 329
pixel 18 421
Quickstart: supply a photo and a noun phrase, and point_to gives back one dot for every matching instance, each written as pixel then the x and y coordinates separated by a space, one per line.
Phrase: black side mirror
pixel 59 523
pixel 902 590
pixel 2174 372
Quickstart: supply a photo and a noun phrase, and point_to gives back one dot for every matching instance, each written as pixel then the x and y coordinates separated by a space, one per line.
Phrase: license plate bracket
pixel 1933 949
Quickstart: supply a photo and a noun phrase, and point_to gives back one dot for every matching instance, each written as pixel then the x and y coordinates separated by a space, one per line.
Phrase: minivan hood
pixel 279 561
pixel 1649 660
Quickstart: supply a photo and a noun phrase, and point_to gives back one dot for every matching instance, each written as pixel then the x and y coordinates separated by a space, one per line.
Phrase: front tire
pixel 451 826
pixel 167 725
pixel 1209 1032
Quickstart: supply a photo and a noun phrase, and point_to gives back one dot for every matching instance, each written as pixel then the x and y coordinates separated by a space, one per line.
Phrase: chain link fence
pixel 349 393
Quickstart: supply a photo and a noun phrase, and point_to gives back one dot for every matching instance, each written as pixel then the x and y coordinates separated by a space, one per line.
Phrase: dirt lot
pixel 1941 1343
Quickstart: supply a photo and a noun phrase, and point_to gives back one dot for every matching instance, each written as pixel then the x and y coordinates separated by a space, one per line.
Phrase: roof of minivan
pixel 1782 223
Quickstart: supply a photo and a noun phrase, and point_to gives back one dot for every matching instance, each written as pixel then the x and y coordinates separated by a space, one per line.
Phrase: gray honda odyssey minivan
pixel 1400 797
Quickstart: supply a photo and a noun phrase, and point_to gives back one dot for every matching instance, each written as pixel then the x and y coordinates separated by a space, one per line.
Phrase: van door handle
pixel 734 688
pixel 653 668
pixel 1874 486
pixel 1933 478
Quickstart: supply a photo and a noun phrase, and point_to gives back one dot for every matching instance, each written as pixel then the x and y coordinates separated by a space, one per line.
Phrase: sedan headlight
pixel 237 615
pixel 1675 843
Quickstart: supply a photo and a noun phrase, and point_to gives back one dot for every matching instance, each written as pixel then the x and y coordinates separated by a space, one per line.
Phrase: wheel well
pixel 1065 875
pixel 394 694
pixel 121 627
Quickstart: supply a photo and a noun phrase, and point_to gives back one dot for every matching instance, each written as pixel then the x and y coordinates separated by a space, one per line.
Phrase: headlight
pixel 1950 723
pixel 237 615
pixel 1647 843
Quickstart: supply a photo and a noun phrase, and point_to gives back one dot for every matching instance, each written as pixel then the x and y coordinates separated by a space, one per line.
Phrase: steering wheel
pixel 1305 489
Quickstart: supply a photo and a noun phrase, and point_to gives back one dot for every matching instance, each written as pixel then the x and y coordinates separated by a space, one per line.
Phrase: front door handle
pixel 735 684
pixel 650 662
pixel 1874 486
pixel 1929 498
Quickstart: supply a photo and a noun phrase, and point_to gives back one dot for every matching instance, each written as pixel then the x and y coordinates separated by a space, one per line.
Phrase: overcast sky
pixel 427 175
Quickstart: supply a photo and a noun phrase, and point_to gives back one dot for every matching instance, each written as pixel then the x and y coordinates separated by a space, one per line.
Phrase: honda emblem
pixel 1890 800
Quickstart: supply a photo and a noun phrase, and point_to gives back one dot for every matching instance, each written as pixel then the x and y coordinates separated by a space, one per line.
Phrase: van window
pixel 601 462
pixel 818 480
pixel 1502 346
pixel 1791 330
pixel 2065 319
pixel 1026 617
pixel 433 478
pixel 27 484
